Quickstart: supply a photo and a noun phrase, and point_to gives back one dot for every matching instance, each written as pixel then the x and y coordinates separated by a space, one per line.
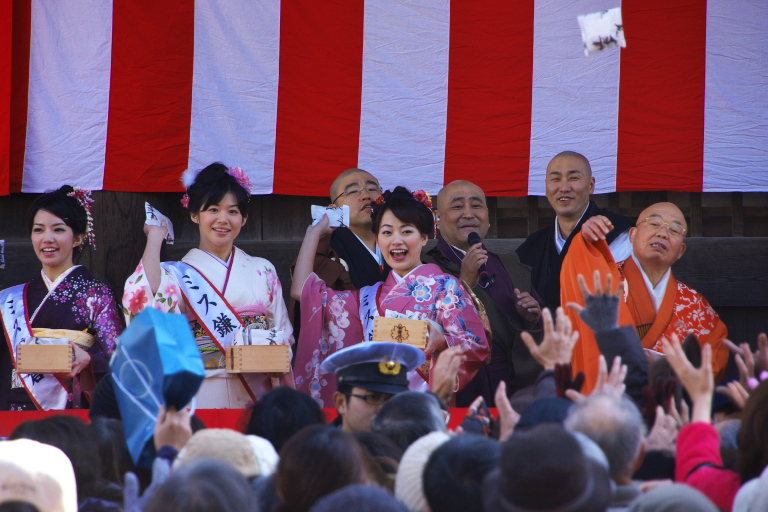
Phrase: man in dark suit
pixel 462 209
pixel 569 185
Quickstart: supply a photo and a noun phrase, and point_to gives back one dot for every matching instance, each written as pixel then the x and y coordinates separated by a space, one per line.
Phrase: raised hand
pixel 557 345
pixel 602 309
pixel 699 382
pixel 446 370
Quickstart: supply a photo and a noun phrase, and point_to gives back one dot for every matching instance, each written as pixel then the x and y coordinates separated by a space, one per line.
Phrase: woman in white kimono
pixel 230 298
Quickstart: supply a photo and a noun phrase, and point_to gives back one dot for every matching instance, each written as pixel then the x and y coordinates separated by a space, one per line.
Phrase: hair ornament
pixel 189 177
pixel 84 199
pixel 423 197
pixel 241 177
pixel 185 201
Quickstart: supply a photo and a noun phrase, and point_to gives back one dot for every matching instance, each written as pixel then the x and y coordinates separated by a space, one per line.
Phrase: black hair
pixel 408 416
pixel 453 475
pixel 201 486
pixel 109 438
pixel 210 187
pixel 64 207
pixel 281 413
pixel 18 506
pixel 406 208
pixel 72 436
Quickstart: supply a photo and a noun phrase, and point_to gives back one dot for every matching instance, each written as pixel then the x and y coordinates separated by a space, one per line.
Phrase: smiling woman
pixel 229 297
pixel 64 305
pixel 332 320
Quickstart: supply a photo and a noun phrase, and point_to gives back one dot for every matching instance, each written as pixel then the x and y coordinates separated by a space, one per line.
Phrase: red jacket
pixel 699 464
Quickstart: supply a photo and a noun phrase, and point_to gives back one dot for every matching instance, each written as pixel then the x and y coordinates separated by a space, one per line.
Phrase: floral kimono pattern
pixel 331 321
pixel 79 302
pixel 248 283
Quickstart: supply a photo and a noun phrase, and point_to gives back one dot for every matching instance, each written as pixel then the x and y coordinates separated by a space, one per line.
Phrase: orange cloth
pixel 683 309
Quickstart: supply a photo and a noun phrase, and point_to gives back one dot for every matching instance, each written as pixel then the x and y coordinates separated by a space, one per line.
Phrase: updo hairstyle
pixel 406 208
pixel 210 187
pixel 63 206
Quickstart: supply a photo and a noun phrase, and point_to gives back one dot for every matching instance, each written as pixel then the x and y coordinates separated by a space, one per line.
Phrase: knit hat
pixel 360 498
pixel 37 473
pixel 538 460
pixel 409 483
pixel 266 455
pixel 753 495
pixel 222 444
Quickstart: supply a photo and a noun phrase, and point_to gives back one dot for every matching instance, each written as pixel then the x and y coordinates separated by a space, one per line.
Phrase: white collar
pixel 376 254
pixel 657 294
pixel 401 279
pixel 51 285
pixel 559 240
pixel 225 263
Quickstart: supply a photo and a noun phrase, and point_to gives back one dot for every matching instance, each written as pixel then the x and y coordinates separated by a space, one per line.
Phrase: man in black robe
pixel 462 209
pixel 349 258
pixel 569 185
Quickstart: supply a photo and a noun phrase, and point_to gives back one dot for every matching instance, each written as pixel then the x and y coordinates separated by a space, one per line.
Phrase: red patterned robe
pixel 682 310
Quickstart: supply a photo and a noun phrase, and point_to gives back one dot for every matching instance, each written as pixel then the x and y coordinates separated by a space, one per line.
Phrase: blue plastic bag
pixel 156 363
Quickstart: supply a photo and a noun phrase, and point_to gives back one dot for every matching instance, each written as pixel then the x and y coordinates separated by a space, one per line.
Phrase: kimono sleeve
pixel 138 294
pixel 107 325
pixel 462 325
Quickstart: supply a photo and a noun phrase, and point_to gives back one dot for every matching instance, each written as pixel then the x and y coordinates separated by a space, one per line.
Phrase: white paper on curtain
pixel 602 30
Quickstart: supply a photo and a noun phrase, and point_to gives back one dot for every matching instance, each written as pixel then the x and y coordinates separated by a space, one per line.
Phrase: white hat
pixel 37 473
pixel 409 483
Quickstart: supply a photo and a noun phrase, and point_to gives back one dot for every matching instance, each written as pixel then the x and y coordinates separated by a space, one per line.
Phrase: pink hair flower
pixel 241 177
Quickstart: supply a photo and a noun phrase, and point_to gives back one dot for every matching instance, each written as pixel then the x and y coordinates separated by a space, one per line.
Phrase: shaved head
pixel 572 154
pixel 658 239
pixel 445 193
pixel 337 185
pixel 668 210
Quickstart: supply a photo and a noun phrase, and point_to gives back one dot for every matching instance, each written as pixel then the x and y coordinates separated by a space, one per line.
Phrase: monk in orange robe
pixel 656 303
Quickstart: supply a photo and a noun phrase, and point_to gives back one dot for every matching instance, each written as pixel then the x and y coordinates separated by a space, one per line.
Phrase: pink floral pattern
pixel 330 321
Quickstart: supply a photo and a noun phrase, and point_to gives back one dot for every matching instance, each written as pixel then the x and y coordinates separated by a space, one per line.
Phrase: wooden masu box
pixel 44 358
pixel 401 330
pixel 258 359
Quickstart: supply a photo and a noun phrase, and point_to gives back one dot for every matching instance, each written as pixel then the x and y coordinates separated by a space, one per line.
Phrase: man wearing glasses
pixel 367 375
pixel 654 301
pixel 352 254
pixel 462 209
pixel 569 184
pixel 349 259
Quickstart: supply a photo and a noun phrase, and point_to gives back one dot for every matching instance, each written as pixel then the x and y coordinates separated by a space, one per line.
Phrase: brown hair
pixel 315 462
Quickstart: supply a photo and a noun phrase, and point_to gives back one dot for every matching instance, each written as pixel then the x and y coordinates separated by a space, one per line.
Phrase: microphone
pixel 473 239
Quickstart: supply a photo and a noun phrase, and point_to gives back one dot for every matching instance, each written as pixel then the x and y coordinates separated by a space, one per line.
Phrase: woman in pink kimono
pixel 332 320
pixel 230 297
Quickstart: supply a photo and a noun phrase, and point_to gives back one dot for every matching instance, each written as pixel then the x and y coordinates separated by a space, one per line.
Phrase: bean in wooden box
pixel 44 358
pixel 258 359
pixel 401 330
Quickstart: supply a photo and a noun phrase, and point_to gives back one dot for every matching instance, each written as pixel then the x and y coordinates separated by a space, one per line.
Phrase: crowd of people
pixel 601 365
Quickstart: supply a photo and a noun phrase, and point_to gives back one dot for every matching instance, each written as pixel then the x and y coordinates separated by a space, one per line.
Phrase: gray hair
pixel 615 424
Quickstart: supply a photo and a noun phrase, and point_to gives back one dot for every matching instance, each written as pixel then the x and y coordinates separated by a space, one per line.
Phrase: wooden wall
pixel 727 259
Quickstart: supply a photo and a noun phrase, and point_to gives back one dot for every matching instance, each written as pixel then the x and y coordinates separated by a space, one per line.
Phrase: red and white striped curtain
pixel 125 95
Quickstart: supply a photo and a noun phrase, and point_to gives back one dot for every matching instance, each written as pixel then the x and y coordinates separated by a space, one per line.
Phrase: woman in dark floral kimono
pixel 65 304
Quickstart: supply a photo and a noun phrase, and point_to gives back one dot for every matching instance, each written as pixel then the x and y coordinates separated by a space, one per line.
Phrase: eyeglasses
pixel 657 224
pixel 354 192
pixel 375 399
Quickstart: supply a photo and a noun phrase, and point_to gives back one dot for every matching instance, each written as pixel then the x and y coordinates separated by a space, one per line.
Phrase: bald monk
pixel 656 303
